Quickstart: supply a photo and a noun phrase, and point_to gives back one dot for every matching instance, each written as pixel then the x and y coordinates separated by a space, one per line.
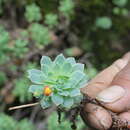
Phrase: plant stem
pixel 23 106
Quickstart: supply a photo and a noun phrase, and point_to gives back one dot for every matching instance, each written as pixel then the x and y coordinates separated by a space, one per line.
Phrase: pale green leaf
pixel 45 103
pixel 66 68
pixel 36 76
pixel 35 88
pixel 68 102
pixel 79 67
pixel 71 60
pixel 75 92
pixel 45 60
pixel 45 69
pixel 59 59
pixel 64 93
pixel 57 99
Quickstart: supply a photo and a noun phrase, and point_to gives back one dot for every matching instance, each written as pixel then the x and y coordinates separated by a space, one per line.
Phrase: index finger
pixel 105 77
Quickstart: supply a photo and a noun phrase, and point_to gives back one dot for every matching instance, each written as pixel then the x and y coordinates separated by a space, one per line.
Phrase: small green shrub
pixel 65 124
pixel 51 20
pixel 104 22
pixel 33 13
pixel 120 3
pixel 21 90
pixel 3 78
pixel 4 37
pixel 8 123
pixel 25 124
pixel 40 34
pixel 20 48
pixel 67 7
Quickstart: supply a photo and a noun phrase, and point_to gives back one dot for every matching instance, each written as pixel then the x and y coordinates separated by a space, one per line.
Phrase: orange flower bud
pixel 47 91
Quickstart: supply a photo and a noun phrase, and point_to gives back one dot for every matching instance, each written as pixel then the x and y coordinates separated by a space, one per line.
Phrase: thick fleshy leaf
pixel 78 99
pixel 71 60
pixel 36 76
pixel 59 59
pixel 83 82
pixel 57 99
pixel 45 69
pixel 75 92
pixel 79 67
pixel 66 68
pixel 68 102
pixel 64 93
pixel 35 88
pixel 45 103
pixel 76 77
pixel 56 68
pixel 67 86
pixel 45 60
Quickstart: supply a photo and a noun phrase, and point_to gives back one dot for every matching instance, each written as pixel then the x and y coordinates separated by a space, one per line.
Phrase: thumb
pixel 117 96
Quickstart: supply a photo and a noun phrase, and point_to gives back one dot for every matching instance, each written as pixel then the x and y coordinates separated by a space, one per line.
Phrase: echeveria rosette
pixel 63 76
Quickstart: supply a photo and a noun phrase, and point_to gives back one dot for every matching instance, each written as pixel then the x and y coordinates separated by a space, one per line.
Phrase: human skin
pixel 111 88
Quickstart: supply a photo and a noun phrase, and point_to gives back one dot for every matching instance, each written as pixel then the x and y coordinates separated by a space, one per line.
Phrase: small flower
pixel 47 91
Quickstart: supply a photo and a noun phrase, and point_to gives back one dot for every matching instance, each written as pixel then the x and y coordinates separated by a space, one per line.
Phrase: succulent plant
pixel 58 82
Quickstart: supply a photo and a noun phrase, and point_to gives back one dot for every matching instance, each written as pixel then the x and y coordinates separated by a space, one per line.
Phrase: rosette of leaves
pixel 40 34
pixel 33 13
pixel 51 20
pixel 67 7
pixel 20 48
pixel 58 82
pixel 20 90
pixel 104 22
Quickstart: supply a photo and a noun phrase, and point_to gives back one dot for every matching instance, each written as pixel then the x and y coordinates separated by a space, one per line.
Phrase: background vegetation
pixel 96 32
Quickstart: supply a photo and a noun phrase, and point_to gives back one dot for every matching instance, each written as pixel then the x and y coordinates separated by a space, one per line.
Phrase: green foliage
pixel 25 124
pixel 120 3
pixel 20 48
pixel 104 22
pixel 8 123
pixel 21 90
pixel 67 7
pixel 40 34
pixel 3 78
pixel 91 72
pixel 65 124
pixel 4 37
pixel 120 11
pixel 33 13
pixel 51 20
pixel 63 76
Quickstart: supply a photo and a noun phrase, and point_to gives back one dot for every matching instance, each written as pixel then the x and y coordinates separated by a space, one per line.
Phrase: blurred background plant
pixel 94 32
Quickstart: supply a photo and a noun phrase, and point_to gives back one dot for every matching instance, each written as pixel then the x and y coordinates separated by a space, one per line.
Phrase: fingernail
pixel 111 94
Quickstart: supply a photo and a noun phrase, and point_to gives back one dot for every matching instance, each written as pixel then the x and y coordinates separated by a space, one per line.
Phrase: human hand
pixel 111 88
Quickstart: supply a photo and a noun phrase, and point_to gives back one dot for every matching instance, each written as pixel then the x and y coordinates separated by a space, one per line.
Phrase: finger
pixel 104 78
pixel 117 97
pixel 125 117
pixel 96 117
